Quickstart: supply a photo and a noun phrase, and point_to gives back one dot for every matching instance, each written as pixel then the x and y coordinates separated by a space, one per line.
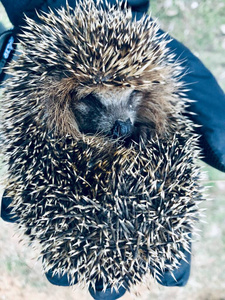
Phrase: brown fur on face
pixel 152 109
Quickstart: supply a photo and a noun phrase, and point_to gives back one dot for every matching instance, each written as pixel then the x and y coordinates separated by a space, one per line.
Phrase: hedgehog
pixel 101 154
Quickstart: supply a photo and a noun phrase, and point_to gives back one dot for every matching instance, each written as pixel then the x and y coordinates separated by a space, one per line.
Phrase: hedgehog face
pixel 88 67
pixel 111 112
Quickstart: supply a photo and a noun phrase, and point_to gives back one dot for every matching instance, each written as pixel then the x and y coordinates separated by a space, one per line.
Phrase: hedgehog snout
pixel 122 129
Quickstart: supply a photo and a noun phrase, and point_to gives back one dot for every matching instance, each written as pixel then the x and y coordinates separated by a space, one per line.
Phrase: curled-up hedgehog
pixel 101 156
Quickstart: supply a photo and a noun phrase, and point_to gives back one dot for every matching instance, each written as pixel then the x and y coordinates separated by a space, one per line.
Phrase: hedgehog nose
pixel 121 128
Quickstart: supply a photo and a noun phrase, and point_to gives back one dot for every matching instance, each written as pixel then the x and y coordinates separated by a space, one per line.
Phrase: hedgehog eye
pixel 91 97
pixel 92 101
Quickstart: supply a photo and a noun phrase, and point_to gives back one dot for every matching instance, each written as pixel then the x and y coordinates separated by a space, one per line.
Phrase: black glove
pixel 17 9
pixel 209 105
pixel 6 210
pixel 7 49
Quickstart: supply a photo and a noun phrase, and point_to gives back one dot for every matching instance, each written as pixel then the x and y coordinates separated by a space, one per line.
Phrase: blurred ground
pixel 201 26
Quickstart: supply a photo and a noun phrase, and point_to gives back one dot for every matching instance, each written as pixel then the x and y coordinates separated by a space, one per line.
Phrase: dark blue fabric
pixel 6 210
pixel 16 9
pixel 209 105
pixel 7 50
pixel 59 280
pixel 179 276
pixel 97 294
pixel 108 294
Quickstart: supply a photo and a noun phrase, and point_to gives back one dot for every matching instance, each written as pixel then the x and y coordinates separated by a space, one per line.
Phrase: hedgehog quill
pixel 101 157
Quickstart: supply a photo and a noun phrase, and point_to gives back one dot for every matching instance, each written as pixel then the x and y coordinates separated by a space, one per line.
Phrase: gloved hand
pixel 97 294
pixel 6 210
pixel 210 114
pixel 17 9
pixel 209 105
